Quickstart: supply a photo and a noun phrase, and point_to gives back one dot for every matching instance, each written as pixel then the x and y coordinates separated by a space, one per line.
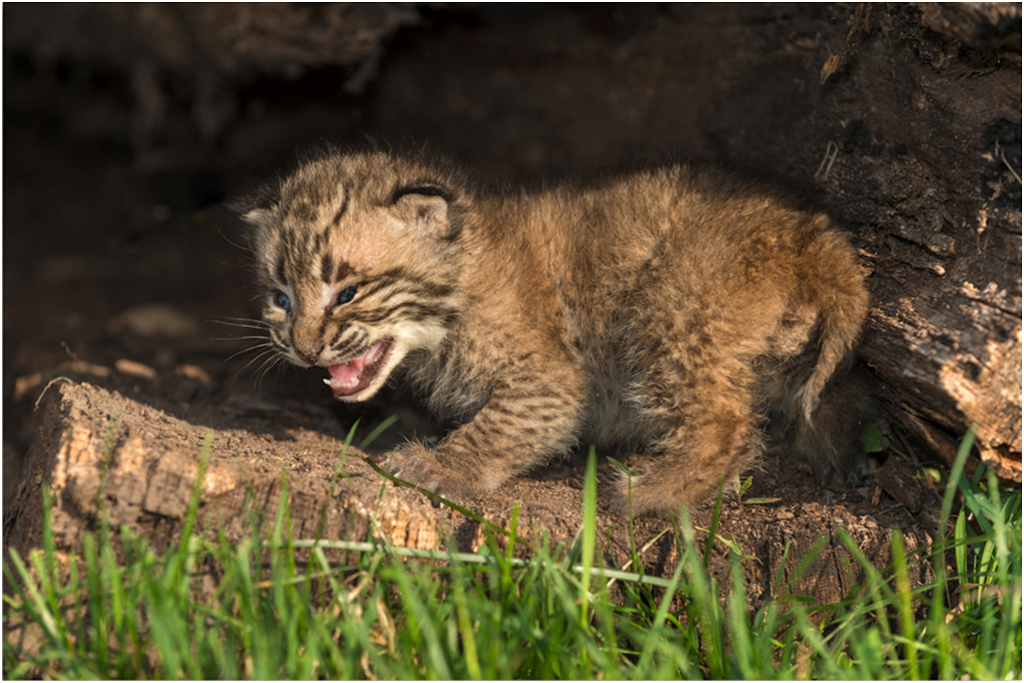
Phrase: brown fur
pixel 667 311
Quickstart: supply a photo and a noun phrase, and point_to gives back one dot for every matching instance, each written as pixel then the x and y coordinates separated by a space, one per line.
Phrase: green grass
pixel 278 609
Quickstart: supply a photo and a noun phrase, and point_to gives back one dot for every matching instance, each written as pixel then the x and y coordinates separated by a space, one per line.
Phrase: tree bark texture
pixel 936 160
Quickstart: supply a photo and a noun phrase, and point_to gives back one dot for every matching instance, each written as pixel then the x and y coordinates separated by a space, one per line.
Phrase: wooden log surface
pixel 925 167
pixel 98 449
pixel 956 360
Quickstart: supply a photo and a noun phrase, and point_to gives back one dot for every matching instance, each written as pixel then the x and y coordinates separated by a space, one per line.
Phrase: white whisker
pixel 243 322
pixel 262 348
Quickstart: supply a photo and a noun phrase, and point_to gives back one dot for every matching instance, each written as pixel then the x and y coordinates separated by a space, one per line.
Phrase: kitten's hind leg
pixel 702 407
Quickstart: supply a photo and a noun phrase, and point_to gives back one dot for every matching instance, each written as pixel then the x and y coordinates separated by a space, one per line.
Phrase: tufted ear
pixel 425 207
pixel 257 208
pixel 258 218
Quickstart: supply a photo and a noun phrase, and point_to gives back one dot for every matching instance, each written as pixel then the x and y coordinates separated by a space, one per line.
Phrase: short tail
pixel 843 302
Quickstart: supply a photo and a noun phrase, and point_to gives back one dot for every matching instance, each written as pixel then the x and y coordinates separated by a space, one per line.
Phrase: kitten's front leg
pixel 515 431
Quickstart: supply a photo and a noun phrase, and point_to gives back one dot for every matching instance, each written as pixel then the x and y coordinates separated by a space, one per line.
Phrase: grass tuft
pixel 212 608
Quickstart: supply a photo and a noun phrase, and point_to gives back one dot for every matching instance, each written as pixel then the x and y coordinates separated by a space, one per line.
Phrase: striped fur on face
pixel 359 262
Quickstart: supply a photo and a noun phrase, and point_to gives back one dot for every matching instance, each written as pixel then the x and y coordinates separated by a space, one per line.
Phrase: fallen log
pixel 99 452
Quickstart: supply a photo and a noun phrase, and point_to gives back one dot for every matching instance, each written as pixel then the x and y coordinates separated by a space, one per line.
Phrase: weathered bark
pixel 954 360
pixel 937 164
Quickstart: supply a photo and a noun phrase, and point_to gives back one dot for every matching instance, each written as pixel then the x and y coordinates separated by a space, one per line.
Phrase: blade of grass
pixel 465 624
pixel 899 555
pixel 589 533
pixel 377 431
pixel 338 471
pixel 715 517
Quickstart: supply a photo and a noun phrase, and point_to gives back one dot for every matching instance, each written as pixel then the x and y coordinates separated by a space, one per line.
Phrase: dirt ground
pixel 122 269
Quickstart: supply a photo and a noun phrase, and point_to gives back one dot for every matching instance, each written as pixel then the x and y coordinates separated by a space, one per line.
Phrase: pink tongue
pixel 346 377
pixel 347 373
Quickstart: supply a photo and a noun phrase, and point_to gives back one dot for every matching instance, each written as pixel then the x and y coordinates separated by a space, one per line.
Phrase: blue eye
pixel 281 300
pixel 346 295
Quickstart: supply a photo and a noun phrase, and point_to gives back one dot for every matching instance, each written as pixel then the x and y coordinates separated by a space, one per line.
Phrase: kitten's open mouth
pixel 353 377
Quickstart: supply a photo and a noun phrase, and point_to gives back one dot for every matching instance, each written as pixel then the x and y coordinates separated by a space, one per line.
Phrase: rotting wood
pixel 957 363
pixel 930 167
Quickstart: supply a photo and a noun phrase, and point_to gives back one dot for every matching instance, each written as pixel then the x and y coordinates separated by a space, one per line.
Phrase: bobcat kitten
pixel 667 311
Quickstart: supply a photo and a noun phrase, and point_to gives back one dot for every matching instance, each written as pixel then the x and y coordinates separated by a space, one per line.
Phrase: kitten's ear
pixel 258 218
pixel 425 207
pixel 257 209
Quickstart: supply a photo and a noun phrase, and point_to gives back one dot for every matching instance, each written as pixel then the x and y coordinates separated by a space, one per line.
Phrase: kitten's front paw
pixel 417 465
